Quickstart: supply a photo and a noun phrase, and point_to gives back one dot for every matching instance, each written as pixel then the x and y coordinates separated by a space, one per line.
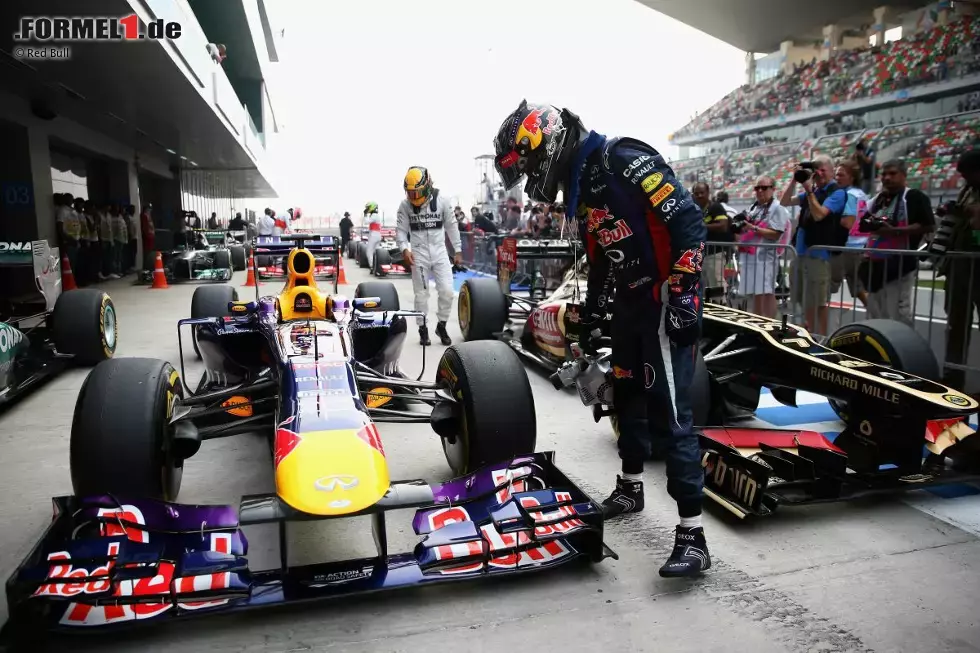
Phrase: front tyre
pixel 121 438
pixel 84 325
pixel 497 417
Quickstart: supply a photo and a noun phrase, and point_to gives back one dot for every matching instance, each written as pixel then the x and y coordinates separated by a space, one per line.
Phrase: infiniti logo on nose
pixel 331 483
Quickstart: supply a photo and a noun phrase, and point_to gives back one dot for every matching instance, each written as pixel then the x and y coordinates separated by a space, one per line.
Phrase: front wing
pixel 752 471
pixel 108 561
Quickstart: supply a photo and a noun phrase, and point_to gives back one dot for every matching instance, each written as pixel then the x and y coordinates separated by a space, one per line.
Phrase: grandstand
pixel 916 97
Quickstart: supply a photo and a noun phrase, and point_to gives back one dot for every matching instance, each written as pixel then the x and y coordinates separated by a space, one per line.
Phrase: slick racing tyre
pixel 210 301
pixel 222 259
pixel 481 309
pixel 239 261
pixel 496 418
pixel 384 290
pixel 84 325
pixel 381 257
pixel 362 259
pixel 121 438
pixel 887 343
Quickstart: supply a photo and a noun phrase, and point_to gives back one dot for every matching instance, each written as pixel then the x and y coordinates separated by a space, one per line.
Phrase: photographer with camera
pixel 897 218
pixel 822 205
pixel 962 274
pixel 766 221
pixel 864 155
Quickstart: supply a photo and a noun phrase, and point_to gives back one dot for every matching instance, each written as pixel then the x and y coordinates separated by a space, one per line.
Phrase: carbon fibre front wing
pixel 106 562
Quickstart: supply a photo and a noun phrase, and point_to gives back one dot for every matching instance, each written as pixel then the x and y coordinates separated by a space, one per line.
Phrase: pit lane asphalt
pixel 871 575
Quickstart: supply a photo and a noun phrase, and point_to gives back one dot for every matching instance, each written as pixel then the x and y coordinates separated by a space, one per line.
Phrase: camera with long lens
pixel 739 221
pixel 870 224
pixel 804 171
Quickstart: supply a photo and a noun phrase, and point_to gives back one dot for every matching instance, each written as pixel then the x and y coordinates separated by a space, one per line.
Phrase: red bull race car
pixel 315 373
pixel 271 253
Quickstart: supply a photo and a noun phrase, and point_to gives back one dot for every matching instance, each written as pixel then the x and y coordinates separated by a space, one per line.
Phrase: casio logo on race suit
pixel 637 162
pixel 9 338
pixel 619 231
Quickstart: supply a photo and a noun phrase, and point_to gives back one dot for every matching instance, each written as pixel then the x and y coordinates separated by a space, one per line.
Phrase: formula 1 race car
pixel 388 257
pixel 903 430
pixel 271 253
pixel 314 373
pixel 197 255
pixel 43 330
pixel 526 305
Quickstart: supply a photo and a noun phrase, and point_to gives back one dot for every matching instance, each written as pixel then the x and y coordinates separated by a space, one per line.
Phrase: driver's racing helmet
pixel 537 140
pixel 370 207
pixel 418 186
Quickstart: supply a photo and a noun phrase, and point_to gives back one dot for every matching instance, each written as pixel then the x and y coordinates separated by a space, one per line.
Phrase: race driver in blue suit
pixel 644 239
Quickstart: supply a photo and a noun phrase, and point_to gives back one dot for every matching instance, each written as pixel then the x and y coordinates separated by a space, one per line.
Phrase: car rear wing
pixel 316 243
pixel 110 561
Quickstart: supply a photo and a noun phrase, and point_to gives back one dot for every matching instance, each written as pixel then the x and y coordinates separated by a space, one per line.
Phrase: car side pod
pixel 107 561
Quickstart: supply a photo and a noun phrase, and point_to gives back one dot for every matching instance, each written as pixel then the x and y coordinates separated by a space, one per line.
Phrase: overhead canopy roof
pixel 761 25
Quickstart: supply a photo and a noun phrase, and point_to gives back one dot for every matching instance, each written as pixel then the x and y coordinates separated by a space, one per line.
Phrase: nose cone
pixel 334 472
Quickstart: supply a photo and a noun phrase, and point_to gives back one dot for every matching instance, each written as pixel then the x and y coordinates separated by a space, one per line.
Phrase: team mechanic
pixel 373 221
pixel 644 239
pixel 424 219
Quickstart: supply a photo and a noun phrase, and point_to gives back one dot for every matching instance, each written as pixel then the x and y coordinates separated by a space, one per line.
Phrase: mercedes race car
pixel 902 429
pixel 42 329
pixel 198 255
pixel 271 253
pixel 315 373
pixel 526 305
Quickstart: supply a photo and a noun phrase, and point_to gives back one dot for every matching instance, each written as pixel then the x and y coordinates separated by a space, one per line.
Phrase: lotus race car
pixel 42 329
pixel 903 430
pixel 314 373
pixel 526 305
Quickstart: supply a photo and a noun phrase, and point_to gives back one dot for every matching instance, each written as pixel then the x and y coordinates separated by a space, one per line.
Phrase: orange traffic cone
pixel 341 276
pixel 67 276
pixel 159 276
pixel 250 280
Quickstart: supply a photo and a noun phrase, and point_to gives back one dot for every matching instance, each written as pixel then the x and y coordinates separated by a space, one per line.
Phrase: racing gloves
pixel 683 312
pixel 591 331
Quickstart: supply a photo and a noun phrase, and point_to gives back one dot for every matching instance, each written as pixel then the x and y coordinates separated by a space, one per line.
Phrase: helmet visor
pixel 511 168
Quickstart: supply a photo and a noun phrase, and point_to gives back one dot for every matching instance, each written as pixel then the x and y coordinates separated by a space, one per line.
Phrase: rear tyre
pixel 84 325
pixel 481 310
pixel 497 417
pixel 385 290
pixel 239 261
pixel 129 455
pixel 381 257
pixel 210 301
pixel 887 343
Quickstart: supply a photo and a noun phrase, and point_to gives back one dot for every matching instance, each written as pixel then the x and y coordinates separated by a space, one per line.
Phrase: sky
pixel 366 88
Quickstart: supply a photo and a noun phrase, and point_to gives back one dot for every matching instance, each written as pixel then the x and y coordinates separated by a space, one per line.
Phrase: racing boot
pixel 690 556
pixel 424 336
pixel 443 336
pixel 627 497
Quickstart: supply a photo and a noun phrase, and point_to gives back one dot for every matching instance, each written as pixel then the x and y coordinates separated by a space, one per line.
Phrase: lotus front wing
pixel 752 471
pixel 109 561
